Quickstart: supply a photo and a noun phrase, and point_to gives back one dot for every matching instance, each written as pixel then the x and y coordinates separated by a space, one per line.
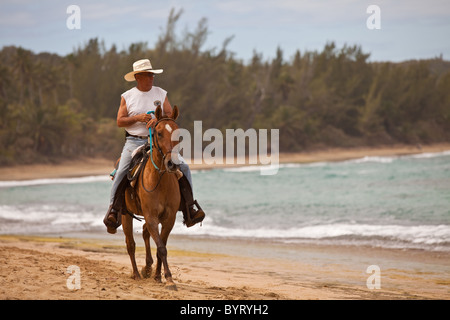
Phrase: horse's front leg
pixel 157 276
pixel 161 253
pixel 166 228
pixel 147 270
pixel 127 225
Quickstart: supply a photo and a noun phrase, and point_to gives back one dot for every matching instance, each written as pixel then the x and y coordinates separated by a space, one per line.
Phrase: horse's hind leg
pixel 147 270
pixel 127 226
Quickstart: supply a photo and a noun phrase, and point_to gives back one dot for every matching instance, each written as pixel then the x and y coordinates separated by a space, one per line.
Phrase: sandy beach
pixel 35 267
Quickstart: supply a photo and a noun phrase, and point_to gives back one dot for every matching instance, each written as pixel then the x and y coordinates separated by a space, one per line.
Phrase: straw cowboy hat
pixel 143 65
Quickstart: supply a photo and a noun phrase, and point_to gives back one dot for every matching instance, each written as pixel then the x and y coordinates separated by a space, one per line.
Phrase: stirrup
pixel 111 222
pixel 198 215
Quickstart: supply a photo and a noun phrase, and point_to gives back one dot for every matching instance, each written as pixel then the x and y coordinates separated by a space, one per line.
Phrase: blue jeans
pixel 131 144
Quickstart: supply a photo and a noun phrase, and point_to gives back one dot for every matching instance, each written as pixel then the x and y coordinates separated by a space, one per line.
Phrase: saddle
pixel 139 156
pixel 137 164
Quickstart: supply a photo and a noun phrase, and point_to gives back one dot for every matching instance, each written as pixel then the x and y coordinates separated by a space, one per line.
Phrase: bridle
pixel 153 139
pixel 157 144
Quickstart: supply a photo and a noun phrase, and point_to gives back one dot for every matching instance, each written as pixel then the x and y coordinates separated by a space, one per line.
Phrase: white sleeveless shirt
pixel 139 102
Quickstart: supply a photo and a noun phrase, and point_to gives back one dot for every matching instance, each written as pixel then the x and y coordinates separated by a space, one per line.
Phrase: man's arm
pixel 123 120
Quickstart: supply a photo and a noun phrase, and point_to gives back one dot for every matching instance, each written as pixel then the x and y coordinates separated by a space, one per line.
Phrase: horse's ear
pixel 158 112
pixel 175 113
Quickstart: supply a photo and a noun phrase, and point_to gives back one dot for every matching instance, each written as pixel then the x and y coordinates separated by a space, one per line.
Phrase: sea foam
pixel 36 182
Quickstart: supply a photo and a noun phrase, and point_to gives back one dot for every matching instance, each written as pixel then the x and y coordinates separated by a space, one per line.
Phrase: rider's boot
pixel 111 220
pixel 191 215
pixel 196 216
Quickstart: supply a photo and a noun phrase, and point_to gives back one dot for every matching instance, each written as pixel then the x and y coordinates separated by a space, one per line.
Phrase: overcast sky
pixel 410 29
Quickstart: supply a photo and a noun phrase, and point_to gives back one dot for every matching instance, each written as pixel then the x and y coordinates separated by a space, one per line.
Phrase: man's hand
pixel 151 123
pixel 143 117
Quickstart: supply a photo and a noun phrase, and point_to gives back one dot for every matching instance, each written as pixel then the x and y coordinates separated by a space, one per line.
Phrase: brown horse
pixel 158 200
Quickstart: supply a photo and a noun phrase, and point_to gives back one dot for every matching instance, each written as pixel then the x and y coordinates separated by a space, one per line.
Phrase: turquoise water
pixel 400 202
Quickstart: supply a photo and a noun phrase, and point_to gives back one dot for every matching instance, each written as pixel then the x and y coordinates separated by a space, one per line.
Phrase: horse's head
pixel 164 128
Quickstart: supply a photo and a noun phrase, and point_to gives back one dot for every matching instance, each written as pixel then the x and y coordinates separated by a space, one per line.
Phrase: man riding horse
pixel 133 116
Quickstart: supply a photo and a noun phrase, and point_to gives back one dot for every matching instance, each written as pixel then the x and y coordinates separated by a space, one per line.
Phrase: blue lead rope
pixel 151 142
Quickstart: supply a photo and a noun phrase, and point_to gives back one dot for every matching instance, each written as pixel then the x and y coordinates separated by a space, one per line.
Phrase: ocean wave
pixel 425 235
pixel 47 219
pixel 245 168
pixel 36 182
pixel 428 155
pixel 252 168
pixel 365 159
pixel 372 159
pixel 55 217
pixel 389 159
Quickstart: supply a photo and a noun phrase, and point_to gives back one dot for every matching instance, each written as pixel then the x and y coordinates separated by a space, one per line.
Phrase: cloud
pixel 17 19
pixel 256 24
pixel 299 11
pixel 332 11
pixel 107 11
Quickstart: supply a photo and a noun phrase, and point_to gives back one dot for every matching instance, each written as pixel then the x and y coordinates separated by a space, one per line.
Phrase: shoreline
pixel 35 267
pixel 98 166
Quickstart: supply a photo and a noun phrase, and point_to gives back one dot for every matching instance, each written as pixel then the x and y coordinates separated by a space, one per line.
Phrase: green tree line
pixel 55 107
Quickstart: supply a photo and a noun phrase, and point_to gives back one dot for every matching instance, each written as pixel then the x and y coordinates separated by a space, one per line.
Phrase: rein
pixel 150 141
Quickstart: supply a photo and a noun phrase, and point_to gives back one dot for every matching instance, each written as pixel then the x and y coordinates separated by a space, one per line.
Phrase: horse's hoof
pixel 146 272
pixel 135 276
pixel 171 287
